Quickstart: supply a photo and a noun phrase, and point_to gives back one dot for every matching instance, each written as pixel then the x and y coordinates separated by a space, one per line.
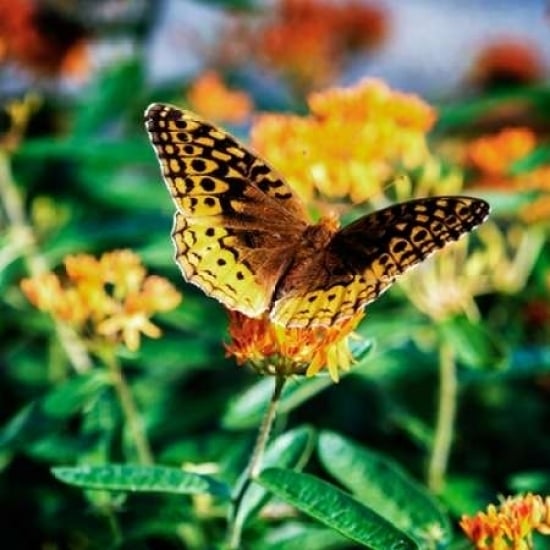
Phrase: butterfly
pixel 243 236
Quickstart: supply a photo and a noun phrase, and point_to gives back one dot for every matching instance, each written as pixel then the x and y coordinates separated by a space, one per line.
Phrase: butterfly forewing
pixel 363 259
pixel 237 223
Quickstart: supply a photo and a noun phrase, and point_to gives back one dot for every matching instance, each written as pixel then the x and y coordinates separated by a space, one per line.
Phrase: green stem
pixel 448 388
pixel 23 237
pixel 129 408
pixel 255 464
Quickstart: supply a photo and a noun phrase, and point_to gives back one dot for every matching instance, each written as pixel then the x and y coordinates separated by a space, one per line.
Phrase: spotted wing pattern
pixel 363 259
pixel 237 224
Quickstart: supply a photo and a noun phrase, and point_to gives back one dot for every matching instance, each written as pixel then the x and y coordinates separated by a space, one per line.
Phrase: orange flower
pixel 507 61
pixel 41 39
pixel 350 144
pixel 111 297
pixel 510 525
pixel 273 349
pixel 209 97
pixel 308 39
pixel 495 154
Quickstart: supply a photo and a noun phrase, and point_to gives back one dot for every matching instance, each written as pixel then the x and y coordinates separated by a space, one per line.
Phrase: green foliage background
pixel 89 182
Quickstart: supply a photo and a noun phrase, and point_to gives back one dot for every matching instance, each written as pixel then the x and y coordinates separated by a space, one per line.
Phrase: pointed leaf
pixel 248 409
pixel 287 451
pixel 142 479
pixel 336 509
pixel 383 484
pixel 42 417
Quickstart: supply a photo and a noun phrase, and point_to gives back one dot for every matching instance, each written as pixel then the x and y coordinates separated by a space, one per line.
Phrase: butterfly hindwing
pixel 363 259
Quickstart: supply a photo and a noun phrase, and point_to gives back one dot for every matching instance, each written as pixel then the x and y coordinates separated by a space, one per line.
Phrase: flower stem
pixel 255 464
pixel 446 414
pixel 129 409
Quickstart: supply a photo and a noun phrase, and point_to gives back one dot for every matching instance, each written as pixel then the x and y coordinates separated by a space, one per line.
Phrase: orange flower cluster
pixel 213 100
pixel 41 39
pixel 273 349
pixel 111 297
pixel 507 61
pixel 350 144
pixel 493 157
pixel 510 525
pixel 309 39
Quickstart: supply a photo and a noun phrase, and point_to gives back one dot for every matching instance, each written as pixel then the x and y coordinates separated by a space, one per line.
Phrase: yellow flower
pixel 110 298
pixel 274 349
pixel 350 144
pixel 510 525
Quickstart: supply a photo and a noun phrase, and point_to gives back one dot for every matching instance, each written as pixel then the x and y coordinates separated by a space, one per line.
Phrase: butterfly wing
pixel 363 259
pixel 237 223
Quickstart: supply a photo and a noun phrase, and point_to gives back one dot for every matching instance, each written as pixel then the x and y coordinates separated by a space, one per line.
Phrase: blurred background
pixel 77 175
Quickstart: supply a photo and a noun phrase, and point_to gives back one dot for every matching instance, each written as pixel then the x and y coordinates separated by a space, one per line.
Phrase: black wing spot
pixel 198 165
pixel 420 236
pixel 399 246
pixel 208 184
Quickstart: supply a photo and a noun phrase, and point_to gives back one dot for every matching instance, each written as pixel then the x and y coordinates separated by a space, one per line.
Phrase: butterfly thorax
pixel 314 242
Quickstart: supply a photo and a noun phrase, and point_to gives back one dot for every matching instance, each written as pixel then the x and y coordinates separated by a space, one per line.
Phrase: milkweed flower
pixel 509 526
pixel 211 98
pixel 26 38
pixel 273 349
pixel 493 157
pixel 308 41
pixel 507 61
pixel 350 144
pixel 110 299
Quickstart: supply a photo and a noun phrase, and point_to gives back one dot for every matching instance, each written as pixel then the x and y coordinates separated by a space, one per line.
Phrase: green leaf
pixel 140 479
pixel 289 450
pixel 40 418
pixel 539 157
pixel 473 344
pixel 248 409
pixel 336 509
pixel 297 536
pixel 383 484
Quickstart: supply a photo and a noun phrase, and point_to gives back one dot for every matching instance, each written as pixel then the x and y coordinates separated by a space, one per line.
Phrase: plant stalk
pixel 24 239
pixel 129 409
pixel 254 466
pixel 446 414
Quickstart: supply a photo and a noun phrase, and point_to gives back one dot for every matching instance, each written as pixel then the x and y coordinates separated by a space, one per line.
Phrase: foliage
pixel 106 445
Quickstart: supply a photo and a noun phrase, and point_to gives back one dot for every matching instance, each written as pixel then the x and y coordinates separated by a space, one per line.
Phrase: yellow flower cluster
pixel 510 525
pixel 350 144
pixel 110 298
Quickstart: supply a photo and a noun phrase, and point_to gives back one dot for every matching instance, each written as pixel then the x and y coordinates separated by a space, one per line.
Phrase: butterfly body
pixel 244 237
